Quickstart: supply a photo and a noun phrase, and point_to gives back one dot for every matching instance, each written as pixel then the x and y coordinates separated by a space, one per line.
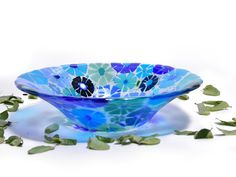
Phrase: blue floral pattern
pixel 101 73
pixel 144 70
pixel 76 69
pixel 125 81
pixel 108 96
pixel 148 83
pixel 105 80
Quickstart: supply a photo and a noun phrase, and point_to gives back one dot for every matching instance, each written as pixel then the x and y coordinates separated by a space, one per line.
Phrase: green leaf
pixel 40 149
pixel 177 132
pixel 12 102
pixel 12 106
pixel 124 140
pixel 16 99
pixel 4 115
pixel 216 105
pixel 138 82
pixel 14 141
pixel 210 90
pixel 60 141
pixel 51 128
pixel 1 132
pixel 7 98
pixel 4 123
pixel 52 140
pixel 227 123
pixel 48 139
pixel 204 134
pixel 128 139
pixel 96 144
pixel 184 97
pixel 135 139
pixel 149 141
pixel 68 142
pixel 203 110
pixel 206 107
pixel 32 97
pixel 10 98
pixel 3 98
pixel 2 140
pixel 105 139
pixel 227 132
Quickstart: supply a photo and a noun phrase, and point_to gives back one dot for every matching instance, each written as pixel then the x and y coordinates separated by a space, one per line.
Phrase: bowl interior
pixel 107 80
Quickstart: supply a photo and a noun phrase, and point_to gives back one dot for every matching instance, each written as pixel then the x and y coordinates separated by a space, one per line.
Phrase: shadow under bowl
pixel 31 121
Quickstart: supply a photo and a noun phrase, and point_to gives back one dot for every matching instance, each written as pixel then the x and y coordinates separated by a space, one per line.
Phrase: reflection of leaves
pixel 227 123
pixel 211 91
pixel 227 132
pixel 203 110
pixel 177 132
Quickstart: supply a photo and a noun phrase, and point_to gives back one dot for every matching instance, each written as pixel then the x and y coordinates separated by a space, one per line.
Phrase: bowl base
pixel 30 122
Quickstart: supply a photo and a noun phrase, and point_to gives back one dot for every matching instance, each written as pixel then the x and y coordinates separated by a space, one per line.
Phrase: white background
pixel 197 35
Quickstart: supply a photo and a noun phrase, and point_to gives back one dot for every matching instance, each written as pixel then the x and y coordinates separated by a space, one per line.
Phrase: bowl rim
pixel 28 90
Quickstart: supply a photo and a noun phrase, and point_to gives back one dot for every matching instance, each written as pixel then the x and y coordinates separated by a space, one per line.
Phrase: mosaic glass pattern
pixel 108 96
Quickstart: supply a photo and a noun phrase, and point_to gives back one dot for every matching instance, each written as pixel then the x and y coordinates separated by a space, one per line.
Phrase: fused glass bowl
pixel 108 96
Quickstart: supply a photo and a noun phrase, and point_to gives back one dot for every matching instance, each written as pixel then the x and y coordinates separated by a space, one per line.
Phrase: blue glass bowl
pixel 108 97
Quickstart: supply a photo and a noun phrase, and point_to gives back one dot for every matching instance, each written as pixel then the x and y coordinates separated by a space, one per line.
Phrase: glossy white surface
pixel 196 35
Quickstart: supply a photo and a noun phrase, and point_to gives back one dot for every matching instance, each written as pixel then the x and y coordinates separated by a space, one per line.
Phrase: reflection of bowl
pixel 108 97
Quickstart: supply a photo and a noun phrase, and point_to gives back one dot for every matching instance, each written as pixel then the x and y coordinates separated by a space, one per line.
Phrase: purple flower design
pixel 160 69
pixel 124 67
